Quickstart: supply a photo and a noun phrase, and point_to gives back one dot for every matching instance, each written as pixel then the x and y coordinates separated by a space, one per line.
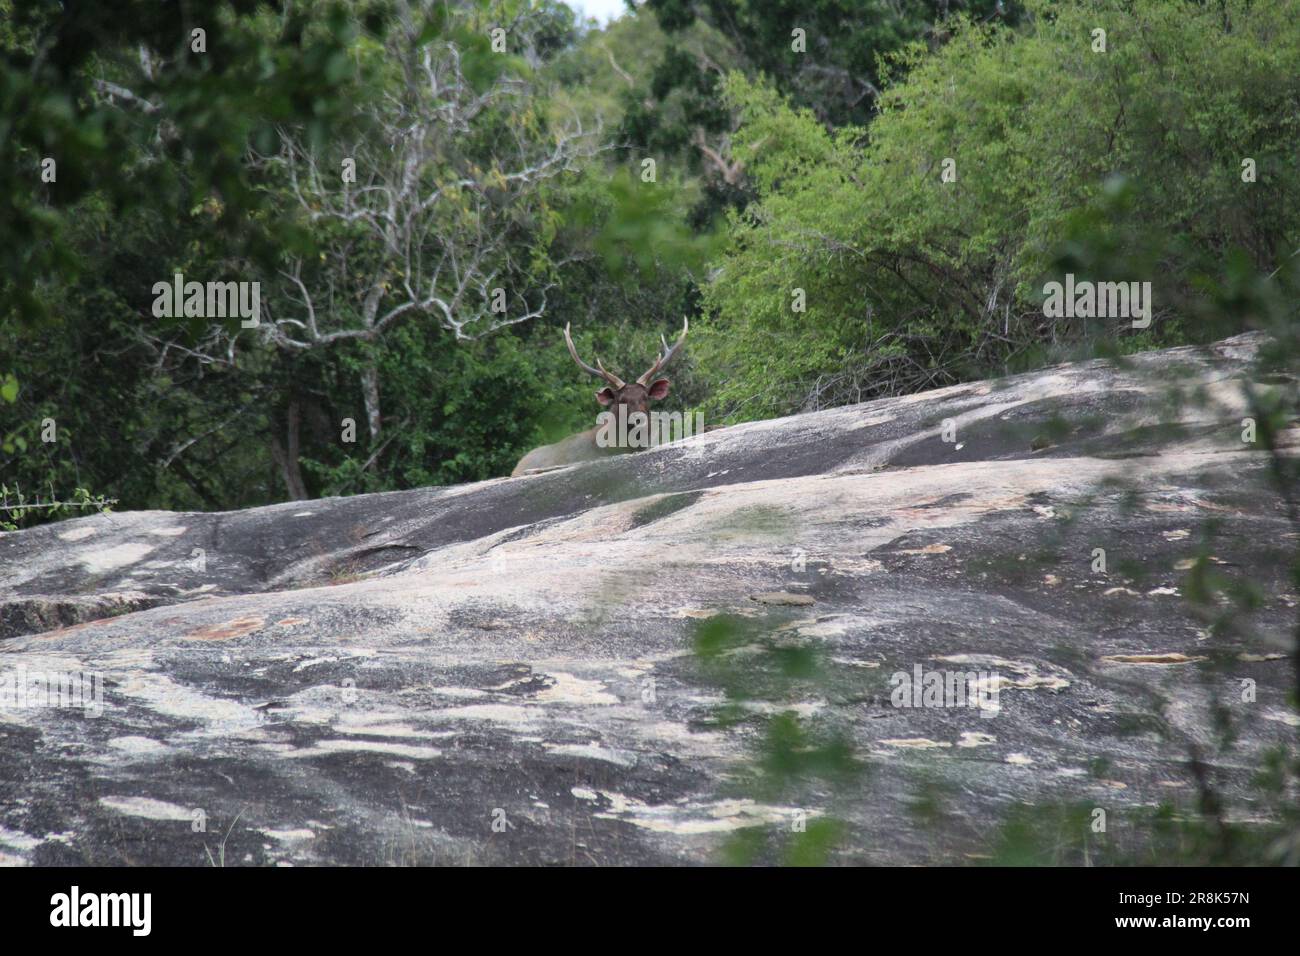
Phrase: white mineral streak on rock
pixel 17 840
pixel 133 746
pixel 688 818
pixel 147 808
pixel 1282 717
pixel 494 713
pixel 216 716
pixel 1027 677
pixel 574 690
pixel 384 725
pixel 324 747
pixel 621 758
pixel 915 743
pixel 290 836
pixel 103 560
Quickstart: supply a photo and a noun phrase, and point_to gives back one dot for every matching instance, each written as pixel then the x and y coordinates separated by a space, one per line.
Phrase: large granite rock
pixel 381 679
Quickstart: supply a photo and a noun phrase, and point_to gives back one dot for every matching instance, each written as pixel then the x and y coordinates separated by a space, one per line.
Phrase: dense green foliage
pixel 913 282
pixel 833 66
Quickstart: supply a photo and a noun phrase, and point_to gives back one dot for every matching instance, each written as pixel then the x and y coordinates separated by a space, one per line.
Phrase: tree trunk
pixel 286 456
pixel 370 393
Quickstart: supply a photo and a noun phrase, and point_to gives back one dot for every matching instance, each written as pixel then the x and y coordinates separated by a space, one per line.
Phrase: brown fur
pixel 634 396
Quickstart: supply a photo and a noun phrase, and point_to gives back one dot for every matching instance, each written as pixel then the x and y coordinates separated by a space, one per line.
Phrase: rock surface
pixel 381 679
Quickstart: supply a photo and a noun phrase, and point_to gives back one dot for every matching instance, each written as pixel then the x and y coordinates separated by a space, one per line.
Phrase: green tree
pixel 921 246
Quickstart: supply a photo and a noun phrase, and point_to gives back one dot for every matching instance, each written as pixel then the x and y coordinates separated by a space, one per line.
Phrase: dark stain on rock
pixel 665 506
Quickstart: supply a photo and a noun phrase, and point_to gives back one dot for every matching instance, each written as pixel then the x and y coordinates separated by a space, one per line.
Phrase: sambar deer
pixel 631 397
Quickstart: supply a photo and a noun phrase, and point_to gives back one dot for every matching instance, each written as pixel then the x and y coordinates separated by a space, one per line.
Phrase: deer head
pixel 635 395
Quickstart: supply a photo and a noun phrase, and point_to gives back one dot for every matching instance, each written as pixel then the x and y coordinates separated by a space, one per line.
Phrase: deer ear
pixel 658 389
pixel 605 396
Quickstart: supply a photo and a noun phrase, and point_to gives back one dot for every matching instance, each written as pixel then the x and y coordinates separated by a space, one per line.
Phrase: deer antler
pixel 666 355
pixel 598 372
